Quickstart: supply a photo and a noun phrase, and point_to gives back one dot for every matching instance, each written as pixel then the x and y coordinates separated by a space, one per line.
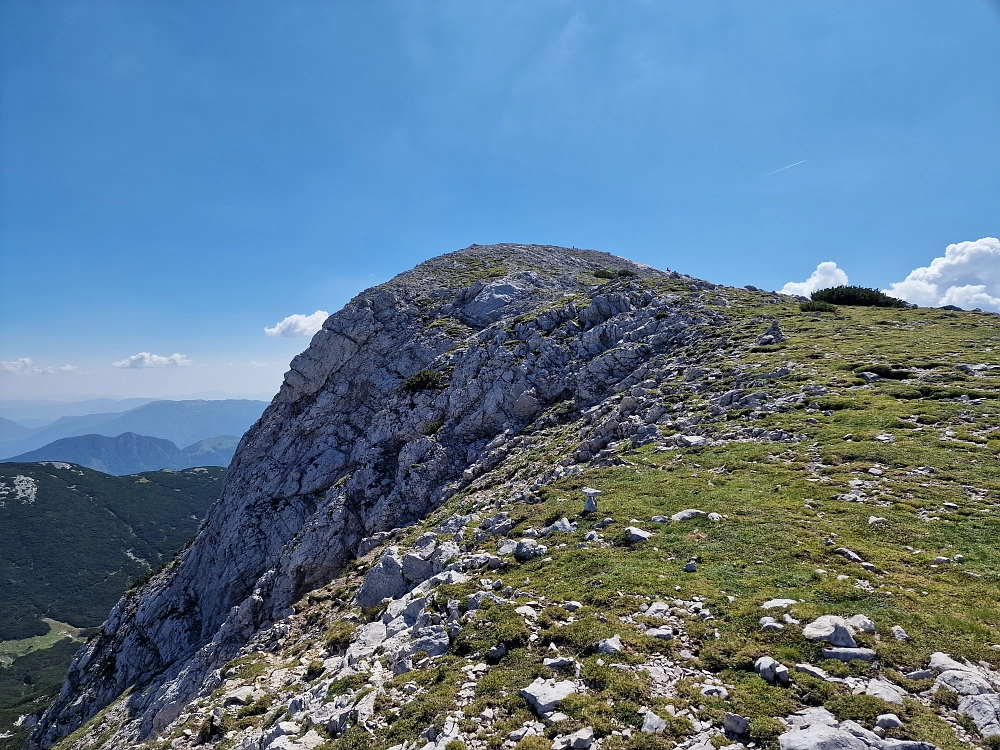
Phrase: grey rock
pixel 899 634
pixel 384 580
pixel 888 721
pixel 984 710
pixel 610 645
pixel 653 724
pixel 664 634
pixel 940 662
pixel 690 567
pixel 831 629
pixel 819 737
pixel 544 695
pixel 528 549
pixel 776 603
pixel 849 654
pixel 771 670
pixel 734 724
pixel 964 683
pixel 809 669
pixel 887 691
pixel 714 691
pixel 634 534
pixel 772 335
pixel 687 515
pixel 559 662
pixel 862 624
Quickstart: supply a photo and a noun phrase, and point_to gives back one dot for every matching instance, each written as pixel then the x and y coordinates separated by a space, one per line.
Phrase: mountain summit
pixel 402 555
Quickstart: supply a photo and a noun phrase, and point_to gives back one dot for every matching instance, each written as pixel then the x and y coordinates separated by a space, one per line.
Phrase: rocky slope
pixel 402 556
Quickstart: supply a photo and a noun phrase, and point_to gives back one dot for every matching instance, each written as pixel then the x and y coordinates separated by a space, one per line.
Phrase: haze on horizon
pixel 188 189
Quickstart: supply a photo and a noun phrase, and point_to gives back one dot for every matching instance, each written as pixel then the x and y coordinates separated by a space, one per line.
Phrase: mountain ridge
pixel 386 562
pixel 181 422
pixel 130 453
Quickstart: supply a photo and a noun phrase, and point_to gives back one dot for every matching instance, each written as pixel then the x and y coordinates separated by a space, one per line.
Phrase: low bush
pixel 856 295
pixel 885 371
pixel 603 273
pixel 817 306
pixel 422 380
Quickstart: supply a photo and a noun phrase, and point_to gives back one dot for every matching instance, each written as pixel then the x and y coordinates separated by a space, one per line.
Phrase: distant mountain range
pixel 181 422
pixel 130 453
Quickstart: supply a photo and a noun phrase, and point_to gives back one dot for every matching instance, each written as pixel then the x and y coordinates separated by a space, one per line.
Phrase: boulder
pixel 888 721
pixel 528 549
pixel 887 691
pixel 383 581
pixel 899 634
pixel 735 724
pixel 653 724
pixel 964 683
pixel 820 737
pixel 984 710
pixel 634 534
pixel 862 624
pixel 610 645
pixel 544 695
pixel 771 670
pixel 831 629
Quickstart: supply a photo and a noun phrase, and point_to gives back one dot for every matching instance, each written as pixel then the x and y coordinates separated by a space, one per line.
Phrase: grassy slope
pixel 779 511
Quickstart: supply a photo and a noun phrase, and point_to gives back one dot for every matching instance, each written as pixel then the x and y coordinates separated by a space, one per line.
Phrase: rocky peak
pixel 350 447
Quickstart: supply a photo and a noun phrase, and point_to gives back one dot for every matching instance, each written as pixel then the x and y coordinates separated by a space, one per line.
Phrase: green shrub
pixel 314 670
pixel 455 745
pixel 346 684
pixel 885 371
pixel 535 742
pixel 861 708
pixel 856 295
pixel 422 380
pixel 338 636
pixel 765 730
pixel 817 306
pixel 992 741
pixel 433 426
pixel 626 273
pixel 603 273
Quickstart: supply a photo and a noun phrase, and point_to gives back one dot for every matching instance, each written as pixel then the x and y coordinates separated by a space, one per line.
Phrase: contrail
pixel 784 168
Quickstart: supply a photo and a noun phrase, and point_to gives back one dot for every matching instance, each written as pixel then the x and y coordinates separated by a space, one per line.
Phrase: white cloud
pixel 967 276
pixel 26 366
pixel 826 275
pixel 299 325
pixel 145 359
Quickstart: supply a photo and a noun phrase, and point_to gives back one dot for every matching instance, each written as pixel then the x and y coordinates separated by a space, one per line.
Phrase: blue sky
pixel 177 176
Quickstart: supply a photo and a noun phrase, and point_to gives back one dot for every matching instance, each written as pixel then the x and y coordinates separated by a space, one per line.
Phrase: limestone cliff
pixel 346 450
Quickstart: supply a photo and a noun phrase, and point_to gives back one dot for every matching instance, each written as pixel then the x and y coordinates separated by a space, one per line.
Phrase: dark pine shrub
pixel 422 380
pixel 817 306
pixel 856 295
pixel 603 273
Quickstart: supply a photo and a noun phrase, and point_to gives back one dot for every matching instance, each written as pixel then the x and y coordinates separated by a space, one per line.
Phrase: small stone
pixel 687 515
pixel 653 724
pixel 735 724
pixel 544 695
pixel 899 634
pixel 610 645
pixel 849 654
pixel 862 624
pixel 634 534
pixel 775 603
pixel 664 634
pixel 832 629
pixel 691 567
pixel 888 721
pixel 939 560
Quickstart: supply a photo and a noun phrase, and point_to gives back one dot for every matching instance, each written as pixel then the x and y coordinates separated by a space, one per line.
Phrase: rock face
pixel 361 440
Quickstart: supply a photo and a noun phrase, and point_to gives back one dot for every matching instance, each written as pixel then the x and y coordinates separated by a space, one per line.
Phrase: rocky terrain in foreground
pixel 530 497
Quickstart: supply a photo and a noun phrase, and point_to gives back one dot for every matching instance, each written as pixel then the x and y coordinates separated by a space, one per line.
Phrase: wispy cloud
pixel 826 275
pixel 298 325
pixel 789 166
pixel 145 360
pixel 26 366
